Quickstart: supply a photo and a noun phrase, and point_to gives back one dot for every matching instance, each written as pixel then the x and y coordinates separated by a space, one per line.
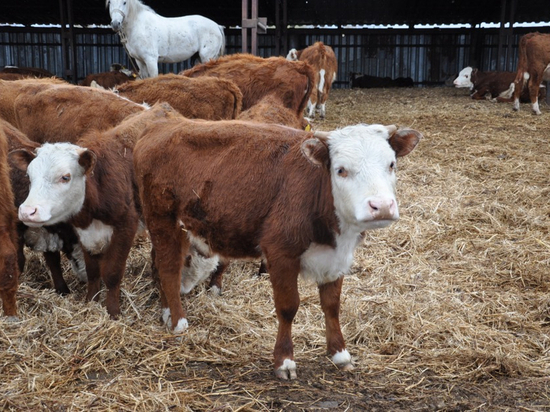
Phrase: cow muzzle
pixel 33 215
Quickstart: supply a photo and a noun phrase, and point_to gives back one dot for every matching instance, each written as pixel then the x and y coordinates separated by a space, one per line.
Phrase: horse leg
pixel 143 73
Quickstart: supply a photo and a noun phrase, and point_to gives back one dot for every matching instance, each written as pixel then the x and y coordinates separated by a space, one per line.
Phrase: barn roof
pixel 300 12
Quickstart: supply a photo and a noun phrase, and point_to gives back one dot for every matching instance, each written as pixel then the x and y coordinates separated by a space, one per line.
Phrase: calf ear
pixel 87 159
pixel 20 158
pixel 316 151
pixel 403 141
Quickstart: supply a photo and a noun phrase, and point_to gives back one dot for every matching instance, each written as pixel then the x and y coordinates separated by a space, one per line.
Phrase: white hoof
pixel 181 326
pixel 343 360
pixel 215 291
pixel 287 370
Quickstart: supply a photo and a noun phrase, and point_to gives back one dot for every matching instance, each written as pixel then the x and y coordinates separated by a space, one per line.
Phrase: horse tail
pixel 222 46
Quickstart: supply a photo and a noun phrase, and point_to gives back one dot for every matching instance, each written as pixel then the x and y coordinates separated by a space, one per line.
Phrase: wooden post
pixel 257 25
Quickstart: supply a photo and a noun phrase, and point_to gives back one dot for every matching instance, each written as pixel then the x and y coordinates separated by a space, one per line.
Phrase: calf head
pixel 57 174
pixel 362 163
pixel 464 78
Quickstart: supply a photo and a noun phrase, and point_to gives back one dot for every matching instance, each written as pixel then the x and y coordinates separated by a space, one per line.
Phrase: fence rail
pixel 427 56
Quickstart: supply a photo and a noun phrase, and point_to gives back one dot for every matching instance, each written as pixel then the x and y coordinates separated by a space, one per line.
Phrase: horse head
pixel 118 10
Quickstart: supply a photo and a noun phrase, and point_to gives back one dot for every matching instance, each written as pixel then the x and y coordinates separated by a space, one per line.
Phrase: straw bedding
pixel 448 309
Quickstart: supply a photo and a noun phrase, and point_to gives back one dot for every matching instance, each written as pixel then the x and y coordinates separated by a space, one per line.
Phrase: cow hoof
pixel 343 360
pixel 215 291
pixel 12 319
pixel 181 326
pixel 287 370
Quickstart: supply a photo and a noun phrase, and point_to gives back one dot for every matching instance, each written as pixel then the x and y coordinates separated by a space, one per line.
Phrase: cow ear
pixel 20 158
pixel 403 141
pixel 316 151
pixel 87 159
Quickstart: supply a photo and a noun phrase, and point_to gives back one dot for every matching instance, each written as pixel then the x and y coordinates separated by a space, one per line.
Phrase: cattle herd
pixel 216 163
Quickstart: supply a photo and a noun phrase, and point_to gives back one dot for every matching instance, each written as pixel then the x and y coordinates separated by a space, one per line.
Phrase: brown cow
pixel 244 189
pixel 325 66
pixel 91 185
pixel 533 67
pixel 257 77
pixel 270 109
pixel 9 272
pixel 50 240
pixel 52 111
pixel 196 98
pixel 107 80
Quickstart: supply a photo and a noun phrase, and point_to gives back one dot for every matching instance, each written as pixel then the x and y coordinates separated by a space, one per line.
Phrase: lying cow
pixel 196 98
pixel 488 85
pixel 48 110
pixel 109 79
pixel 241 189
pixel 325 66
pixel 91 185
pixel 533 68
pixel 256 77
pixel 9 272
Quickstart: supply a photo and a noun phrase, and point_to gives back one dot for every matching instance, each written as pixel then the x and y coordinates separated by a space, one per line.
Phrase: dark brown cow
pixel 93 189
pixel 49 240
pixel 325 66
pixel 244 189
pixel 196 98
pixel 9 272
pixel 51 111
pixel 257 77
pixel 533 67
pixel 490 85
pixel 107 80
pixel 28 71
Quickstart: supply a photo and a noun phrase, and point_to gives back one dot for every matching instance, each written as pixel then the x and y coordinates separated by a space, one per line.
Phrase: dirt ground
pixel 446 310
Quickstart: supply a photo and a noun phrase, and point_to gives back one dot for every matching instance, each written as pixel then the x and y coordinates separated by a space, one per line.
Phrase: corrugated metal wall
pixel 427 56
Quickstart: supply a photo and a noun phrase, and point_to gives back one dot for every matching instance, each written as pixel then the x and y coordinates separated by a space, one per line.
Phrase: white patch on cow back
pixel 321 85
pixel 96 237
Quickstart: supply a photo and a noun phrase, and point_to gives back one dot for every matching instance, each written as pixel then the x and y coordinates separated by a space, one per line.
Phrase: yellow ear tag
pixel 308 128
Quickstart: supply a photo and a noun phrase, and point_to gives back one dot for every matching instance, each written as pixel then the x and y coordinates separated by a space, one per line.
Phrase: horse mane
pixel 134 6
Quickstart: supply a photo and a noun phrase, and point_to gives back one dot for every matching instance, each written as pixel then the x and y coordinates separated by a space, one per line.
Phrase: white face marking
pixel 96 237
pixel 58 185
pixel 363 186
pixel 464 78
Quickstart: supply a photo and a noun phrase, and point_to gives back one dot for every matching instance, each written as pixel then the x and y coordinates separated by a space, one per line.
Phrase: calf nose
pixel 27 213
pixel 382 209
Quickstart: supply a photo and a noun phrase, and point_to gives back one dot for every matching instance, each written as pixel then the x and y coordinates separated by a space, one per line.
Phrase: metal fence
pixel 427 56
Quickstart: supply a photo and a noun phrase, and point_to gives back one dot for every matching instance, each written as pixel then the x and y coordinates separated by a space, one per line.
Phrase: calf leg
pixel 8 276
pixel 534 86
pixel 330 303
pixel 113 264
pixel 215 284
pixel 94 279
pixel 284 279
pixel 53 261
pixel 170 245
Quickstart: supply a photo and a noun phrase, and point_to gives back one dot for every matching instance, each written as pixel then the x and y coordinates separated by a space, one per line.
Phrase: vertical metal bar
pixel 244 30
pixel 254 30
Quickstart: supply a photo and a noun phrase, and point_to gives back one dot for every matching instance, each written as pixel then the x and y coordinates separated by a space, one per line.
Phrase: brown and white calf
pixel 256 77
pixel 49 240
pixel 196 98
pixel 325 66
pixel 9 272
pixel 47 110
pixel 490 85
pixel 91 185
pixel 249 190
pixel 533 68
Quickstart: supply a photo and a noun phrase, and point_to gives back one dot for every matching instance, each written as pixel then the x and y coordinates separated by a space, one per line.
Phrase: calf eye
pixel 392 166
pixel 342 172
pixel 66 178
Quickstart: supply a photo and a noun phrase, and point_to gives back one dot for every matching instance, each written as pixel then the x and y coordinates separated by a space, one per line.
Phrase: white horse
pixel 151 38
